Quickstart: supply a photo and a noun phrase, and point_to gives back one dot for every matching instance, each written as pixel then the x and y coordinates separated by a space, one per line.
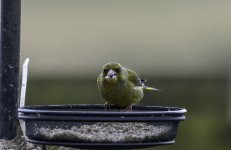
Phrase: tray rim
pixel 100 118
pixel 34 109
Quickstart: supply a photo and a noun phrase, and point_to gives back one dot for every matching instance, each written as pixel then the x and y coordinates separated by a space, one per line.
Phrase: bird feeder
pixel 90 126
pixel 81 126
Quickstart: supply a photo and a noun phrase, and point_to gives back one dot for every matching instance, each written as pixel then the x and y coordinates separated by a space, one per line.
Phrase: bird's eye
pixel 105 71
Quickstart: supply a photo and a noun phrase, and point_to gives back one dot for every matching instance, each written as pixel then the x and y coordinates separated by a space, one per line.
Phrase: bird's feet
pixel 107 106
pixel 129 108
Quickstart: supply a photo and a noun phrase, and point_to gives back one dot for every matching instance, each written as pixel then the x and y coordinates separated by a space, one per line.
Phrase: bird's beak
pixel 111 74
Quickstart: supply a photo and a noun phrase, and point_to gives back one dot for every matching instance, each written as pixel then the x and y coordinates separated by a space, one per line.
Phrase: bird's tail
pixel 150 88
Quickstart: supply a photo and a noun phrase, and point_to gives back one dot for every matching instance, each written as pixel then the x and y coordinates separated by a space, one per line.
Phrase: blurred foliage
pixel 206 126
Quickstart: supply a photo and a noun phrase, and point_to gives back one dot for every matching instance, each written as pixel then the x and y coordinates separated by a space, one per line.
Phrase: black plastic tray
pixel 48 118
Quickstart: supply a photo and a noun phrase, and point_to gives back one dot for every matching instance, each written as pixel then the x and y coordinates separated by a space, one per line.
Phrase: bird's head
pixel 112 72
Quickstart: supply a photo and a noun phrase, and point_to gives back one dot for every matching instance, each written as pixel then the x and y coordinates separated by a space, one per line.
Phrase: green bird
pixel 121 86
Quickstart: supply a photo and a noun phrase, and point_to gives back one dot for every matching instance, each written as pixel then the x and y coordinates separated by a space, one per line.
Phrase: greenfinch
pixel 121 86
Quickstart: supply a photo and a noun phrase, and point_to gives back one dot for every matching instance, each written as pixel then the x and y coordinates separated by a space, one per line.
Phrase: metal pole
pixel 9 66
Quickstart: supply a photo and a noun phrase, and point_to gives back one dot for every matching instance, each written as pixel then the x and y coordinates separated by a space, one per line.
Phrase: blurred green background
pixel 181 47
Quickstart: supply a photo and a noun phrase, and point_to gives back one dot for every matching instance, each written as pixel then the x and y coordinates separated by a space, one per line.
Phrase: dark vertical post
pixel 9 66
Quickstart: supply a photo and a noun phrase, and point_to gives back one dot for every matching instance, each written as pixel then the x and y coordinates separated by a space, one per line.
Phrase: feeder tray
pixel 91 127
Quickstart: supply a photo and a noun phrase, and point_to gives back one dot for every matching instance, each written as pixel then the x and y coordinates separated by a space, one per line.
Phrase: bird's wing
pixel 133 77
